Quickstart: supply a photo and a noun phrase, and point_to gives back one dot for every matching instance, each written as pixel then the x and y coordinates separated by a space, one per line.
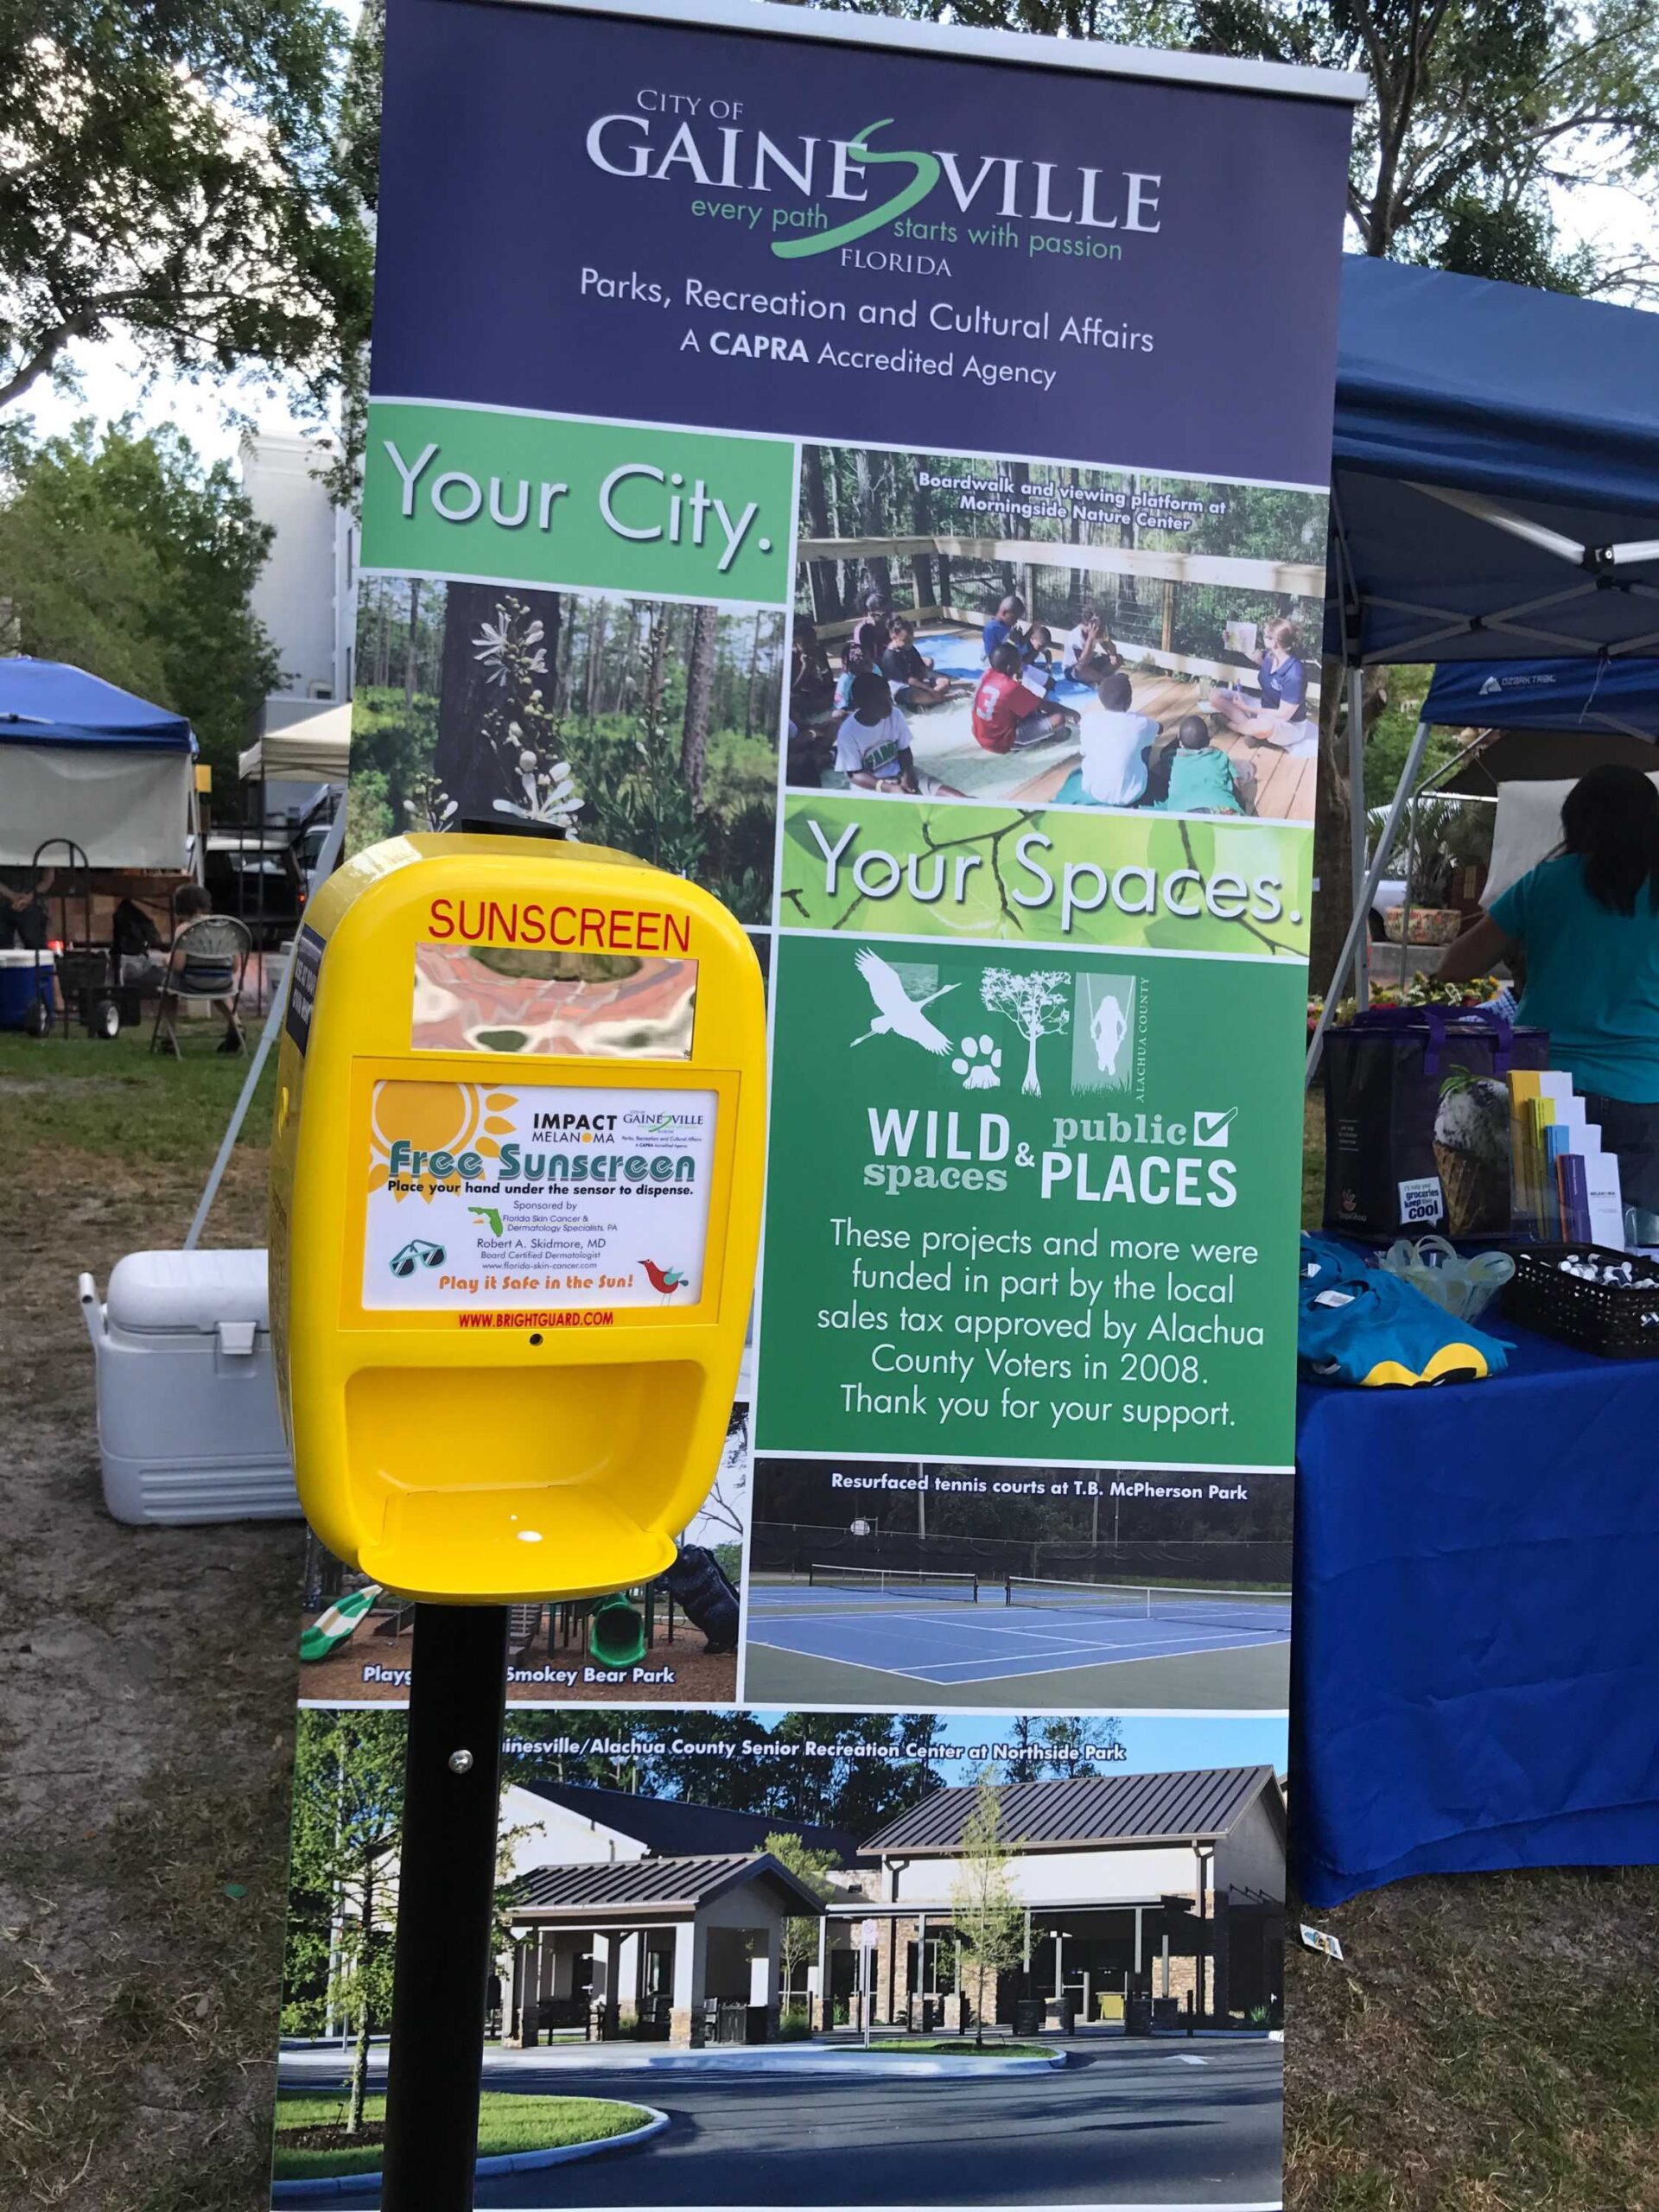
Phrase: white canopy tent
pixel 316 749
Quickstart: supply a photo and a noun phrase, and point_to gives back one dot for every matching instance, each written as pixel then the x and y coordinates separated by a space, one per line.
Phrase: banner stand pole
pixel 446 1902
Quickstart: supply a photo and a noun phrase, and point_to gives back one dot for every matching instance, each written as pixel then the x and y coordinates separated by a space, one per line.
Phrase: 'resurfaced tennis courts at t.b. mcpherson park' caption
pixel 843 1633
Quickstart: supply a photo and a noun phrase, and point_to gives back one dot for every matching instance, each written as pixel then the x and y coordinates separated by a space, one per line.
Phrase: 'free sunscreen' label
pixel 540 1195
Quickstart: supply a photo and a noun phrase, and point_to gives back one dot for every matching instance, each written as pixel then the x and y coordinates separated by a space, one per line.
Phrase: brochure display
pixel 853 468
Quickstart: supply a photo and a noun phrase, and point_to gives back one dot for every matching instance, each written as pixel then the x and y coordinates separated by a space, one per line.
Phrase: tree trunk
pixel 1078 590
pixel 630 675
pixel 414 634
pixel 598 629
pixel 754 678
pixel 1031 1088
pixel 654 668
pixel 699 687
pixel 824 590
pixel 869 521
pixel 921 566
pixel 559 665
pixel 359 2080
pixel 1333 871
pixel 1019 478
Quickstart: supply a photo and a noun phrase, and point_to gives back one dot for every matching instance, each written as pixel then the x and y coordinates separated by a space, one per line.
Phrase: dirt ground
pixel 146 1695
pixel 1490 2044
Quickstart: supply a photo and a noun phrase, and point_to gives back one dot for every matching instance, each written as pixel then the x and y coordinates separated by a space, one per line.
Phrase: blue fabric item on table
pixel 1365 1326
pixel 1476 1662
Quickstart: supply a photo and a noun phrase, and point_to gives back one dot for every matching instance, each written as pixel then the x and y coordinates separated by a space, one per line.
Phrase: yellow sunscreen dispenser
pixel 515 1200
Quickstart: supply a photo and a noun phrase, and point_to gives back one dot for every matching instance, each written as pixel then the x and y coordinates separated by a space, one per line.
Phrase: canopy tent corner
pixel 1495 490
pixel 87 762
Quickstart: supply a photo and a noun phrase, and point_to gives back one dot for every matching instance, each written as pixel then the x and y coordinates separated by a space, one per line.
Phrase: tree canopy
pixel 121 553
pixel 1480 118
pixel 176 177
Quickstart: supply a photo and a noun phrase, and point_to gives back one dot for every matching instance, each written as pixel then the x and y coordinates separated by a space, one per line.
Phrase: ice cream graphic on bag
pixel 1472 1151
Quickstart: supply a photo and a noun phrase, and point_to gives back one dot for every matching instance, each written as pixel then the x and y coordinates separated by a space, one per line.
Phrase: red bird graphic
pixel 667 1280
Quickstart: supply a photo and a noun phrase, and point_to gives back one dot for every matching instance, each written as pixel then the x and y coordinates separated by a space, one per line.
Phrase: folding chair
pixel 209 960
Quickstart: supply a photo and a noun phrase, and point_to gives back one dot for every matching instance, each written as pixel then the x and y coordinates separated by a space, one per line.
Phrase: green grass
pixel 966 2048
pixel 504 2123
pixel 1488 2045
pixel 124 1103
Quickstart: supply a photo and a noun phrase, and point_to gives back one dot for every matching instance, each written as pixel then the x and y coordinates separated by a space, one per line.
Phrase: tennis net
pixel 896 1581
pixel 1201 1608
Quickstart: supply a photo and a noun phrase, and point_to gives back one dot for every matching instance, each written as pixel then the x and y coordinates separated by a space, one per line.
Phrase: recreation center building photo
pixel 652 1919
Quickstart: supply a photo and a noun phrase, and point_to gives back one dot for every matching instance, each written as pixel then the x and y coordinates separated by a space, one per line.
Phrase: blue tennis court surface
pixel 946 1637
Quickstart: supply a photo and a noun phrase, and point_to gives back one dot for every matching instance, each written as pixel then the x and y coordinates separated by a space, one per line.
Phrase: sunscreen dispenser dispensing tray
pixel 516 1186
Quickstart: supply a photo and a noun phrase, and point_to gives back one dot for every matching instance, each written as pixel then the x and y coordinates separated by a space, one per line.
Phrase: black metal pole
pixel 446 1895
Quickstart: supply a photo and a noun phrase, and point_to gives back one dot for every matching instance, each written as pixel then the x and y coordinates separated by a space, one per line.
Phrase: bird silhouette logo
pixel 898 1014
pixel 665 1280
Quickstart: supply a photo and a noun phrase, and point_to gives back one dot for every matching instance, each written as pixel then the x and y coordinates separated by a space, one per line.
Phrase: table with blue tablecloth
pixel 1477 1650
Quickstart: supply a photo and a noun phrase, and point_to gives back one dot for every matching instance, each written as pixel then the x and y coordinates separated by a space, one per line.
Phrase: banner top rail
pixel 1024 50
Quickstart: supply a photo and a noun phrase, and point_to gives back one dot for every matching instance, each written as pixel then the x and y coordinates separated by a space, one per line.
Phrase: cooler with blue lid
pixel 26 977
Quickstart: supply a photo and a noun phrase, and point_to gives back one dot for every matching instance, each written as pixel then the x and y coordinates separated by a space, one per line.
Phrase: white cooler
pixel 188 1425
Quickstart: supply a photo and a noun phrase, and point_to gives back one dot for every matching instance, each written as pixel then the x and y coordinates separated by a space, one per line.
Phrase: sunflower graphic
pixel 453 1117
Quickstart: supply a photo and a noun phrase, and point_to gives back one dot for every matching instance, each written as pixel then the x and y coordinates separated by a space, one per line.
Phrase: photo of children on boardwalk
pixel 1029 631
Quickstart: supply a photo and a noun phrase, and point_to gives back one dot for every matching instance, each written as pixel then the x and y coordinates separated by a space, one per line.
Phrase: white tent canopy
pixel 124 810
pixel 316 749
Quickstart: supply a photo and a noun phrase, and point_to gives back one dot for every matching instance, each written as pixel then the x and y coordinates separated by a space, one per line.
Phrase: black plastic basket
pixel 1597 1317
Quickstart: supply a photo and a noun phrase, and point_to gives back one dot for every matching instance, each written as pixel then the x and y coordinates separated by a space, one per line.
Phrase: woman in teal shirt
pixel 1583 928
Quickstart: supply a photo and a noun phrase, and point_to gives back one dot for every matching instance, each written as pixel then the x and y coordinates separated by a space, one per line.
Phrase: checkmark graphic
pixel 1212 1128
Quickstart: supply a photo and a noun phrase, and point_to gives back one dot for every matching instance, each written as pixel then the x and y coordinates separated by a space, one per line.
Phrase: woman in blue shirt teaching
pixel 1279 717
pixel 1583 928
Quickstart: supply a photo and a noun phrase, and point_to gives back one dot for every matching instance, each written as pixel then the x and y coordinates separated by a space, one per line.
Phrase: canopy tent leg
pixel 325 860
pixel 1356 819
pixel 1411 886
pixel 1360 918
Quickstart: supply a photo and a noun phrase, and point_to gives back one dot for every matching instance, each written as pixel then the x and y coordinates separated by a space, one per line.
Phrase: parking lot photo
pixel 767 1957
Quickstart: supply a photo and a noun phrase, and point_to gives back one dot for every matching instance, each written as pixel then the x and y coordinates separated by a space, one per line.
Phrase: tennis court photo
pixel 1125 1597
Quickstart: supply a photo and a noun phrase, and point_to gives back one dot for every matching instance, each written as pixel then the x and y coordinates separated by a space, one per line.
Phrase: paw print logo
pixel 979 1064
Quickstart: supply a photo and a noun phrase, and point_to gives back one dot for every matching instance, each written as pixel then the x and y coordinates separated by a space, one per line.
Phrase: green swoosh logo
pixel 924 174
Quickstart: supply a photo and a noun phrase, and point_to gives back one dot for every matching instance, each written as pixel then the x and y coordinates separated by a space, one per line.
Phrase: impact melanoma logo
pixel 1108 1034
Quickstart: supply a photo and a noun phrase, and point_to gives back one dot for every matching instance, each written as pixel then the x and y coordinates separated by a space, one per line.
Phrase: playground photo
pixel 1105 1587
pixel 644 726
pixel 1021 630
pixel 673 1641
pixel 768 1957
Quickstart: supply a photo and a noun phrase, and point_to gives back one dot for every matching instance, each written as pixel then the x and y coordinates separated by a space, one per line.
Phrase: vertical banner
pixel 880 472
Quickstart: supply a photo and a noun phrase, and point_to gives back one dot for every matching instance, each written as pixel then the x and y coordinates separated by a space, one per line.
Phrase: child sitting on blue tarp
pixel 1202 778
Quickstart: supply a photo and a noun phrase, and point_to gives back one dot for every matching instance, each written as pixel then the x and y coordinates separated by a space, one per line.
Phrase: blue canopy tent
pixel 85 761
pixel 1600 694
pixel 1495 490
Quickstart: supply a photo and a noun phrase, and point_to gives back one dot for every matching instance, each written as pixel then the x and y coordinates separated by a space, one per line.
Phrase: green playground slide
pixel 338 1624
